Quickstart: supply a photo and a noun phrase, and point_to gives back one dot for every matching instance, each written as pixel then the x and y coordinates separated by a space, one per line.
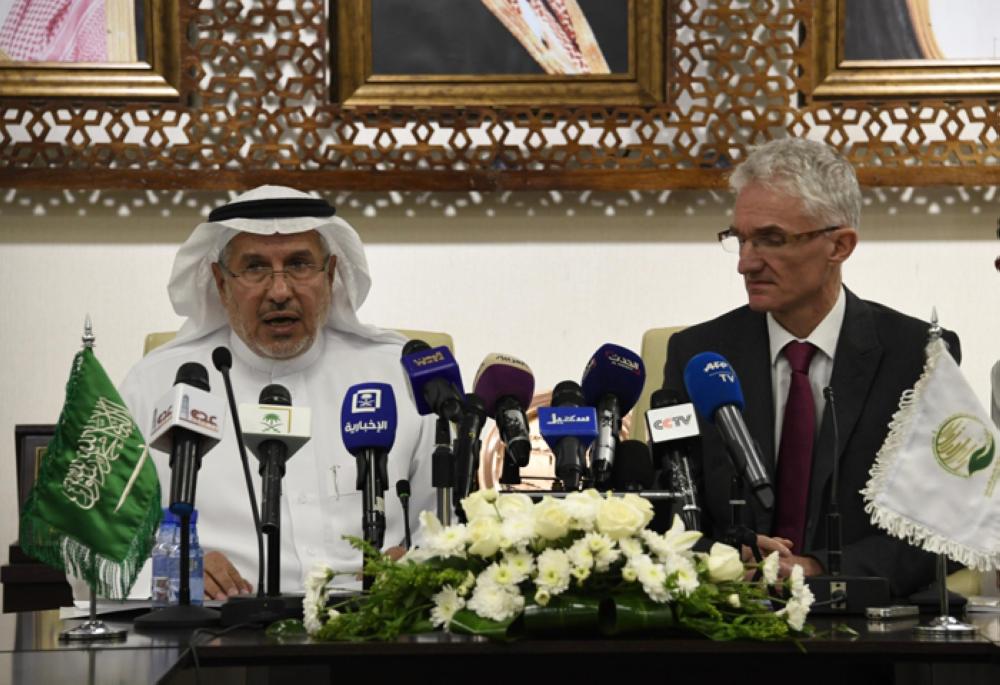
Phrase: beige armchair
pixel 654 357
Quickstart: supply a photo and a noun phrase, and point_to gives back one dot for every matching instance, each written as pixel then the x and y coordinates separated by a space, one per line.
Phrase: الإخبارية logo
pixel 963 446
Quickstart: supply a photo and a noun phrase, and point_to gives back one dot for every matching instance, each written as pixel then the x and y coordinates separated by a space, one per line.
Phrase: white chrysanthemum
pixel 480 504
pixel 417 555
pixel 553 571
pixel 484 536
pixel 514 504
pixel 551 519
pixel 516 532
pixel 581 573
pixel 771 566
pixel 314 601
pixel 629 574
pixel 734 600
pixel 317 578
pixel 522 564
pixel 630 547
pixel 580 555
pixel 496 602
pixel 653 578
pixel 685 573
pixel 447 603
pixel 310 615
pixel 498 574
pixel 795 614
pixel 542 597
pixel 429 523
pixel 448 542
pixel 798 578
pixel 603 549
pixel 582 509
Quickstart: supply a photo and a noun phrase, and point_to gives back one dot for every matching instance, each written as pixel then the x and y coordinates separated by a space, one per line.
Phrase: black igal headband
pixel 273 208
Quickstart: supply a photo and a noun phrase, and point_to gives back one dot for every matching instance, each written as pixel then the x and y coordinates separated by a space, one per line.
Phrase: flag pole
pixel 93 628
pixel 943 626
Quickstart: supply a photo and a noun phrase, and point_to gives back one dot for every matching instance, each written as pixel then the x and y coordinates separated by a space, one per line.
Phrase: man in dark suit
pixel 794 224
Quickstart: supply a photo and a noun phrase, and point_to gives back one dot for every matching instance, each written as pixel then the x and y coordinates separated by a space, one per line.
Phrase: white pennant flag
pixel 935 480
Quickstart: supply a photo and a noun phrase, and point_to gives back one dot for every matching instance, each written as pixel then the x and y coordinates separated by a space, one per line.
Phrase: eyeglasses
pixel 767 239
pixel 297 272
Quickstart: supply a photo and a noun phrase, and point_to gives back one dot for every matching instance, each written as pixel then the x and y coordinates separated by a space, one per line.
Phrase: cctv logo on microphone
pixel 672 423
pixel 366 401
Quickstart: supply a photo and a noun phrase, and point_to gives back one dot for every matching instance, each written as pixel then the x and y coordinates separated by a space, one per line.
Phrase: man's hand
pixel 395 553
pixel 810 565
pixel 786 560
pixel 766 545
pixel 222 580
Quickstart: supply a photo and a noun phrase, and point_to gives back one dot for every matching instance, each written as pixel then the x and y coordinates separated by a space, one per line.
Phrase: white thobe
pixel 320 502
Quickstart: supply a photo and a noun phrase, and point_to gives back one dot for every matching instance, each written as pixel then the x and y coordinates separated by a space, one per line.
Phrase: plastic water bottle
pixel 165 536
pixel 196 564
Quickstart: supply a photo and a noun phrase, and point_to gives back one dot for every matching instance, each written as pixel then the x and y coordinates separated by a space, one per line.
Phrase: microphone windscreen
pixel 664 397
pixel 633 466
pixel 275 394
pixel 567 394
pixel 402 488
pixel 712 383
pixel 368 417
pixel 193 374
pixel 501 375
pixel 222 358
pixel 617 371
pixel 412 346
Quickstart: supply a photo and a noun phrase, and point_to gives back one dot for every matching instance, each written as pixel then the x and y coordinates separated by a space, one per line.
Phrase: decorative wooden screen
pixel 258 84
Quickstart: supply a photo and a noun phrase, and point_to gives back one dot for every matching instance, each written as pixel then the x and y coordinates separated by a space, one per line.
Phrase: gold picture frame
pixel 156 78
pixel 355 84
pixel 834 77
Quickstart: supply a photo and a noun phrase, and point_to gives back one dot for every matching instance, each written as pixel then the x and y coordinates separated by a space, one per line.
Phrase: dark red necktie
pixel 795 452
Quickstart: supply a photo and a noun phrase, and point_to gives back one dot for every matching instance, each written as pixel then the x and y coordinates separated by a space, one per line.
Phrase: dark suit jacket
pixel 880 353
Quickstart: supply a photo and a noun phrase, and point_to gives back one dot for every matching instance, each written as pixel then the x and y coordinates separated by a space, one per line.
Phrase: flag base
pixel 179 616
pixel 945 628
pixel 265 610
pixel 93 630
pixel 847 594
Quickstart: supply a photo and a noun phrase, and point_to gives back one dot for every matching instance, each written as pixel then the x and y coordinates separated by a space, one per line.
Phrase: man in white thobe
pixel 277 279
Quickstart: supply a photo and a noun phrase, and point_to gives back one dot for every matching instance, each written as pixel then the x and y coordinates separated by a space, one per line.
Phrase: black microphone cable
pixel 223 361
pixel 403 492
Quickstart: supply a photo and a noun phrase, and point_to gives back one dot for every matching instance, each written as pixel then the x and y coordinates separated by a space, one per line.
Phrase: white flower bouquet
pixel 587 562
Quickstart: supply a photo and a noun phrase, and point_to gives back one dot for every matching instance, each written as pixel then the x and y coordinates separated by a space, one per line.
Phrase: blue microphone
pixel 715 390
pixel 568 431
pixel 612 382
pixel 434 378
pixel 368 428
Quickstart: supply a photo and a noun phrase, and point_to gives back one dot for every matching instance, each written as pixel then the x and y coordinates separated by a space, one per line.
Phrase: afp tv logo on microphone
pixel 720 370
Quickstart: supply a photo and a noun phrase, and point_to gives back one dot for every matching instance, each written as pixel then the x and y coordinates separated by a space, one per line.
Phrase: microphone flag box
pixel 368 416
pixel 675 422
pixel 285 423
pixel 556 423
pixel 185 406
pixel 426 365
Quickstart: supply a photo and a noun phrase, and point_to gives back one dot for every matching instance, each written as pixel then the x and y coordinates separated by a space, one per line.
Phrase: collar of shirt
pixel 824 337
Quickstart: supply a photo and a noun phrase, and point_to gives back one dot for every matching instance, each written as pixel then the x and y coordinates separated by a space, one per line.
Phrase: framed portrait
pixel 497 52
pixel 905 49
pixel 107 49
pixel 30 442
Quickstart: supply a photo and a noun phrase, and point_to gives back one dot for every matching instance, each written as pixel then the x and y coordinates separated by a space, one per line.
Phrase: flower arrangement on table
pixel 583 563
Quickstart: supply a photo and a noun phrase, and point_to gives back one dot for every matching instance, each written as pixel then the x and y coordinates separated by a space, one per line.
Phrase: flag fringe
pixel 896 524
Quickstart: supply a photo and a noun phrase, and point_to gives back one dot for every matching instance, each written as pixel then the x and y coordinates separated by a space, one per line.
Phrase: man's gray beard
pixel 282 350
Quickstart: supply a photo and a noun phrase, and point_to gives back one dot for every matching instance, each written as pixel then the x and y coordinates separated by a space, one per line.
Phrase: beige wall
pixel 547 277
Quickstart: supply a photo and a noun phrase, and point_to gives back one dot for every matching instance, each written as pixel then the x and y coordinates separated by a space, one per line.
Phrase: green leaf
pixel 563 614
pixel 470 623
pixel 981 458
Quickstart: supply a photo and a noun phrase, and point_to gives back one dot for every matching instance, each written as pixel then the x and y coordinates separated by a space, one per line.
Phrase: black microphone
pixel 272 454
pixel 570 452
pixel 715 390
pixel 632 470
pixel 223 361
pixel 467 446
pixel 403 492
pixel 673 429
pixel 834 543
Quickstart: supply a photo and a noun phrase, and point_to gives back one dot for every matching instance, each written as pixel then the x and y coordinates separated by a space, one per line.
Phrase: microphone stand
pixel 443 469
pixel 739 533
pixel 372 484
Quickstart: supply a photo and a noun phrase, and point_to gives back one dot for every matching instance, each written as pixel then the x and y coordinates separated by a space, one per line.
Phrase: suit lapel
pixel 856 362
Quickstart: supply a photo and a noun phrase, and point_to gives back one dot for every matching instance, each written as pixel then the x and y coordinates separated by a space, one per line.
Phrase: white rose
pixel 484 537
pixel 517 531
pixel 724 563
pixel 480 505
pixel 582 508
pixel 642 505
pixel 551 520
pixel 618 518
pixel 514 504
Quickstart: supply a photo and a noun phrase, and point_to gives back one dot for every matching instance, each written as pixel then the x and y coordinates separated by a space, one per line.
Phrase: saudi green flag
pixel 95 507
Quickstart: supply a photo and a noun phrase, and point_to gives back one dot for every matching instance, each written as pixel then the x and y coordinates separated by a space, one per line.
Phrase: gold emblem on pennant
pixel 963 446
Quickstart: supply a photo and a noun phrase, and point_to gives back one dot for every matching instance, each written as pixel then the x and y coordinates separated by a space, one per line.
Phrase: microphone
pixel 633 467
pixel 368 421
pixel 506 386
pixel 715 390
pixel 222 358
pixel 274 432
pixel 673 429
pixel 612 382
pixel 403 493
pixel 568 428
pixel 467 446
pixel 434 379
pixel 187 422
